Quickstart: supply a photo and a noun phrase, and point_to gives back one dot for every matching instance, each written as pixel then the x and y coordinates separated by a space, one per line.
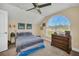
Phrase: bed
pixel 27 42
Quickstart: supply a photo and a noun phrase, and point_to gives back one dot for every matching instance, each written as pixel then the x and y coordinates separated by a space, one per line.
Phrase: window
pixel 58 24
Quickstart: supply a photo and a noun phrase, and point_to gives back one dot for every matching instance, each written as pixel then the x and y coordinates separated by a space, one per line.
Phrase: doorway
pixel 3 30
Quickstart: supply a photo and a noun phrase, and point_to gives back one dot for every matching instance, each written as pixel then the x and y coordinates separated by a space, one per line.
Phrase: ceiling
pixel 33 14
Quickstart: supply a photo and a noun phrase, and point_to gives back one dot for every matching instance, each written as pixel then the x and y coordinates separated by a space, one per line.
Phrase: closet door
pixel 3 31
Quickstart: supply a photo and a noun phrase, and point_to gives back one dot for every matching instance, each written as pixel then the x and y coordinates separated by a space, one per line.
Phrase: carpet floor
pixel 47 51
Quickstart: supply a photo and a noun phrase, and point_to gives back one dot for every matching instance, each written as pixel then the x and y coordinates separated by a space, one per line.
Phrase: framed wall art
pixel 21 25
pixel 29 26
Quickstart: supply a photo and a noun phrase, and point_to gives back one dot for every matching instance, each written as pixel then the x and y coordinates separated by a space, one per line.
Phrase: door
pixel 3 31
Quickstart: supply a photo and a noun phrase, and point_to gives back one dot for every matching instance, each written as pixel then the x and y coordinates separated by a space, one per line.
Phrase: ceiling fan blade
pixel 39 11
pixel 30 9
pixel 34 4
pixel 44 5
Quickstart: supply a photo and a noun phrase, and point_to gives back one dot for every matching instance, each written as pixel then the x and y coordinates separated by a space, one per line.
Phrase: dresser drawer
pixel 61 46
pixel 60 41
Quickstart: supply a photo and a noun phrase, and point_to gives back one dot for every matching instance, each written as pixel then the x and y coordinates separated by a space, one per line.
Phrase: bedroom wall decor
pixel 43 24
pixel 29 26
pixel 21 26
pixel 14 26
pixel 10 26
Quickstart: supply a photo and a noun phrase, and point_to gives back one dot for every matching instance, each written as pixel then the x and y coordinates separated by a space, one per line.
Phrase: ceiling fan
pixel 37 7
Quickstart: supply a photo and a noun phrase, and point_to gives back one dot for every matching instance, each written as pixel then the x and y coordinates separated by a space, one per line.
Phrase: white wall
pixel 16 15
pixel 14 12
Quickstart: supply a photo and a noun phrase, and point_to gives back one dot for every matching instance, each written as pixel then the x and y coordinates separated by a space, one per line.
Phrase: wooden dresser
pixel 61 42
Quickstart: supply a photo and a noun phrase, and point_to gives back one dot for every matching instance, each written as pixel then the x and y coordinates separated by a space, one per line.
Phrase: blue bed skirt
pixel 32 50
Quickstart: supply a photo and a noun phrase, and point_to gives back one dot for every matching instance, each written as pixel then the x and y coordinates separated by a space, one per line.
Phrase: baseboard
pixel 75 49
pixel 74 52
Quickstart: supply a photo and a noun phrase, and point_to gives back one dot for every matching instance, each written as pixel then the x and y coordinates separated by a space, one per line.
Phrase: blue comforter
pixel 25 41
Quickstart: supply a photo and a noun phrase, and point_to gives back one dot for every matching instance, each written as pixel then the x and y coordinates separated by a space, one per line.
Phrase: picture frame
pixel 29 26
pixel 21 25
